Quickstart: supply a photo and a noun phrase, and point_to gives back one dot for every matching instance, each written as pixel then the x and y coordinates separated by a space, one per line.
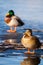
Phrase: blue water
pixel 18 61
pixel 31 12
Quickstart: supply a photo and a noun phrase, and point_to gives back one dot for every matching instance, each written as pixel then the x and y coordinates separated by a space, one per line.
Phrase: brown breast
pixel 7 19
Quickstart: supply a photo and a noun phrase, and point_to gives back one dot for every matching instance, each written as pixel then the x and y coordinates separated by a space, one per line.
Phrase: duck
pixel 12 21
pixel 30 41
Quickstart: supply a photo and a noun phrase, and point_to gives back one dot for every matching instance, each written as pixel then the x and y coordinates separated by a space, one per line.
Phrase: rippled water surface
pixel 31 12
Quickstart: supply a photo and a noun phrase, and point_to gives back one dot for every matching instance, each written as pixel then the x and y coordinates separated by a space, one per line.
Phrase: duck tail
pixel 39 45
pixel 21 23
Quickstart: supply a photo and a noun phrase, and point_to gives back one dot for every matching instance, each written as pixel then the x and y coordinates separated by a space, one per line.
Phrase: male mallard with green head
pixel 29 41
pixel 13 21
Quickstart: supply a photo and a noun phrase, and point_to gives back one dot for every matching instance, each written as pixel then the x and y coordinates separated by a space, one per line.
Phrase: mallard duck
pixel 29 41
pixel 13 21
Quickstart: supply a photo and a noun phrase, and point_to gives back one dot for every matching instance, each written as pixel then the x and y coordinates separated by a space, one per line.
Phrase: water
pixel 31 12
pixel 19 60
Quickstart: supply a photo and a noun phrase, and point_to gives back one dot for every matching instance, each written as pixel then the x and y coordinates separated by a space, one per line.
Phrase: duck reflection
pixel 31 61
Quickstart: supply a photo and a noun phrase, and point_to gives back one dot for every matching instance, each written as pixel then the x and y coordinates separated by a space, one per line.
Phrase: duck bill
pixel 7 14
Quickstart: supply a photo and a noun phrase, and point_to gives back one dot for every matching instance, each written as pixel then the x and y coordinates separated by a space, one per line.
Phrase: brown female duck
pixel 29 41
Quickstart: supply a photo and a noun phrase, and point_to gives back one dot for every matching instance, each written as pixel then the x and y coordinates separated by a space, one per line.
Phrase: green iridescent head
pixel 10 13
